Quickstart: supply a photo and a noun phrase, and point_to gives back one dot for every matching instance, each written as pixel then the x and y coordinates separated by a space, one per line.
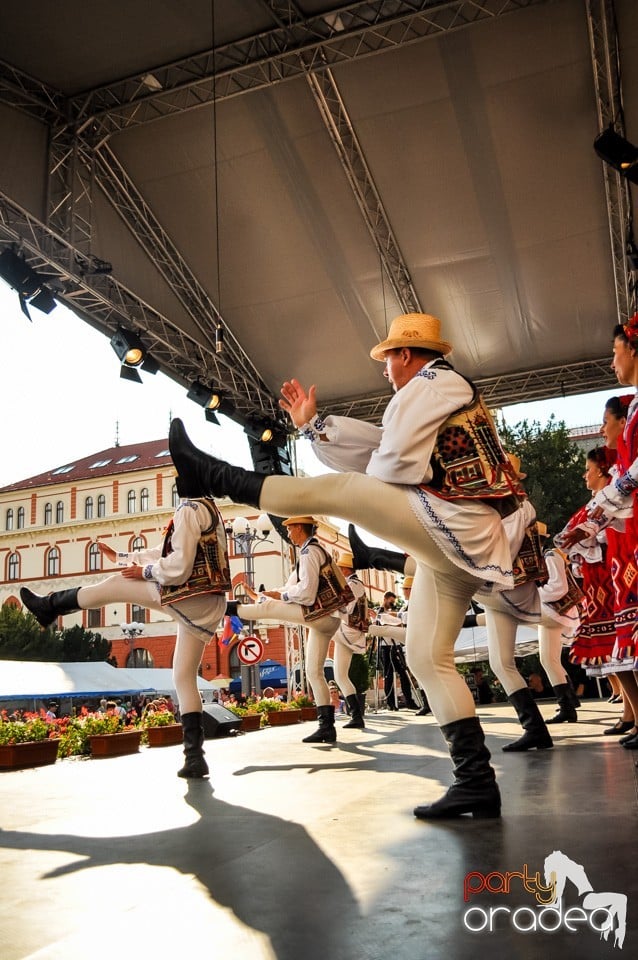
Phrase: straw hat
pixel 516 463
pixel 306 521
pixel 542 528
pixel 345 559
pixel 407 582
pixel 413 330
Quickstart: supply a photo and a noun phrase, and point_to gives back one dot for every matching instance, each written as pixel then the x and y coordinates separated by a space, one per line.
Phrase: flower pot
pixel 281 718
pixel 308 713
pixel 251 721
pixel 34 753
pixel 167 736
pixel 115 744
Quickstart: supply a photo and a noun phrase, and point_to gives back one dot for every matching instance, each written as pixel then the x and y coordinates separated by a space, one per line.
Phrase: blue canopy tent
pixel 271 674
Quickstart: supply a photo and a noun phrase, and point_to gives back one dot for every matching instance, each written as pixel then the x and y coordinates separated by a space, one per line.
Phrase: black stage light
pixel 129 373
pixel 264 430
pixel 618 153
pixel 131 351
pixel 29 285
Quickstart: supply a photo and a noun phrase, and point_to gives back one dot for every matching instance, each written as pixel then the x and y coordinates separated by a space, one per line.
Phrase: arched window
pixel 140 657
pixel 131 501
pixel 95 557
pixel 48 514
pixel 20 518
pixel 101 505
pixel 13 567
pixel 144 500
pixel 9 521
pixel 59 512
pixel 174 496
pixel 53 562
pixel 138 544
pixel 88 508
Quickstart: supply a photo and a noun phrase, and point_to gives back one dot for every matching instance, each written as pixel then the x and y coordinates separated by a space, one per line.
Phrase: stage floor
pixel 300 852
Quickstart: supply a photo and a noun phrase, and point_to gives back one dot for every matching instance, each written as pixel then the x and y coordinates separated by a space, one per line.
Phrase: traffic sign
pixel 250 650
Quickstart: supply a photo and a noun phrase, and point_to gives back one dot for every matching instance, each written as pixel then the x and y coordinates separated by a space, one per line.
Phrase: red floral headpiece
pixel 631 327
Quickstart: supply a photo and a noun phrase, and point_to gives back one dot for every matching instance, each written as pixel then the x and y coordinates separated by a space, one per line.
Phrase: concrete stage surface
pixel 301 852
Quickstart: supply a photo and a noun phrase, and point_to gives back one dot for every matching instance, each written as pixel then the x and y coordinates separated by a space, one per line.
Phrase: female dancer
pixel 187 575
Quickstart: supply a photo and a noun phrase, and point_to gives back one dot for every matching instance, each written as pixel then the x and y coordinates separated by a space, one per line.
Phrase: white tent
pixel 160 681
pixel 32 679
pixel 471 643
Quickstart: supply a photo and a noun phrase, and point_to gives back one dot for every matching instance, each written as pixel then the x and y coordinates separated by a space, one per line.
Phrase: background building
pixel 50 525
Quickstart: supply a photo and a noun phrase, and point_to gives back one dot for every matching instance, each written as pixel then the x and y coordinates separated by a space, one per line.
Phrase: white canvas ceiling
pixel 475 139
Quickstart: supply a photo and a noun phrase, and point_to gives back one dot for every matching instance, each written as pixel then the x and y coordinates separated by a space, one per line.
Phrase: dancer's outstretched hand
pixel 299 405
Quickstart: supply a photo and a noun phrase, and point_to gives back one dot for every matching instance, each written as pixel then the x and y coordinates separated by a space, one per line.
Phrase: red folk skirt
pixel 594 642
pixel 623 556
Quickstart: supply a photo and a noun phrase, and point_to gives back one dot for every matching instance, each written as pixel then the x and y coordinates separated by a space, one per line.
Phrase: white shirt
pixel 303 583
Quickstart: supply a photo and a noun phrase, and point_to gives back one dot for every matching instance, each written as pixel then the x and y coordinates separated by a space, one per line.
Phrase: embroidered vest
pixel 358 618
pixel 211 569
pixel 468 461
pixel 574 595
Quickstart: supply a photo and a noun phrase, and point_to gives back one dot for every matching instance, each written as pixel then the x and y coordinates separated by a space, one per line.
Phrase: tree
pixel 83 645
pixel 554 466
pixel 22 638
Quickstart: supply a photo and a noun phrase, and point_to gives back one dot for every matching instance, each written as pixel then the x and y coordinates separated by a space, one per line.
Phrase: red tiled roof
pixel 105 463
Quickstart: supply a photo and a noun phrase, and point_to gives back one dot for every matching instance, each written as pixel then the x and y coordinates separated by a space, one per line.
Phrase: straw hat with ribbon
pixel 306 521
pixel 516 463
pixel 413 330
pixel 345 559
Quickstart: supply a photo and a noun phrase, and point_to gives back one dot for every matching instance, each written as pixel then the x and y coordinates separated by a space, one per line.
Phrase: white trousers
pixel 441 592
pixel 501 645
pixel 197 619
pixel 318 638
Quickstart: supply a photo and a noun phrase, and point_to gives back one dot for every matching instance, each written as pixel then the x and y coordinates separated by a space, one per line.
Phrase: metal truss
pixel 603 41
pixel 505 390
pixel 105 304
pixel 36 99
pixel 289 50
pixel 352 159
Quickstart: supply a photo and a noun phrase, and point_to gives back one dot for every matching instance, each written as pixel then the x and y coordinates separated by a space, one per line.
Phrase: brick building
pixel 125 496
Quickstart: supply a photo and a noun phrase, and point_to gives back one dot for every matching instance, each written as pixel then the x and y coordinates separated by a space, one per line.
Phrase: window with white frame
pixel 144 500
pixel 53 562
pixel 20 518
pixel 13 567
pixel 9 519
pixel 95 557
pixel 88 508
pixel 48 514
pixel 131 501
pixel 59 512
pixel 101 505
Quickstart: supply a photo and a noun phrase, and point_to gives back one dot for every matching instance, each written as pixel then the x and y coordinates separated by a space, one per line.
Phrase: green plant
pixel 239 711
pixel 302 700
pixel 157 718
pixel 32 727
pixel 270 706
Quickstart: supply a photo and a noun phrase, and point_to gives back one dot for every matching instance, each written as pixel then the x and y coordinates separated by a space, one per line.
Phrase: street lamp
pixel 131 631
pixel 245 538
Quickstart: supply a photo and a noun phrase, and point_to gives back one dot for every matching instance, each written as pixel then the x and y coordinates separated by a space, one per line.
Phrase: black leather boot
pixel 356 717
pixel 566 710
pixel 326 732
pixel 49 608
pixel 201 475
pixel 231 608
pixel 474 789
pixel 536 733
pixel 373 558
pixel 195 766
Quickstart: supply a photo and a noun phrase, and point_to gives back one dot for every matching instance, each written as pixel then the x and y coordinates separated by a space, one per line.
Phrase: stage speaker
pixel 218 721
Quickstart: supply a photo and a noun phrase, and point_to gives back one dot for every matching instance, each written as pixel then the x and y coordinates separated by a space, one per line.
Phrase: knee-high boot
pixel 49 608
pixel 474 789
pixel 373 558
pixel 195 766
pixel 356 717
pixel 200 475
pixel 536 733
pixel 326 732
pixel 566 712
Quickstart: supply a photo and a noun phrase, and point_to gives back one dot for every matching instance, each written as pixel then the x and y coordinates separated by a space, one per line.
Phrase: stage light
pixel 29 285
pixel 264 430
pixel 129 373
pixel 131 351
pixel 618 153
